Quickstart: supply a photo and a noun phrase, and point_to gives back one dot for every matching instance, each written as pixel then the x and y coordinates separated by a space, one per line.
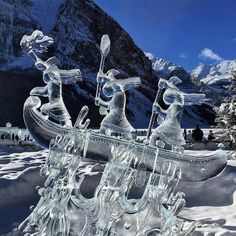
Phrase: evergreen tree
pixel 226 113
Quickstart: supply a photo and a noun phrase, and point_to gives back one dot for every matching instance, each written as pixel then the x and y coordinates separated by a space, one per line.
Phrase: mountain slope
pixel 216 76
pixel 77 31
pixel 77 27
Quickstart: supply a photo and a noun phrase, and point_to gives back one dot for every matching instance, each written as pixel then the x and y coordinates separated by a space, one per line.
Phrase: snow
pixel 163 67
pixel 214 199
pixel 13 165
pixel 215 74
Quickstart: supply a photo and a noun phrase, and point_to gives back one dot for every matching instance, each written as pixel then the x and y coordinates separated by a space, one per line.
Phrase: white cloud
pixel 149 55
pixel 183 55
pixel 207 53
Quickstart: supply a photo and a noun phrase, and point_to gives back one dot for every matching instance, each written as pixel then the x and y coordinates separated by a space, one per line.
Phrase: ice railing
pixel 110 211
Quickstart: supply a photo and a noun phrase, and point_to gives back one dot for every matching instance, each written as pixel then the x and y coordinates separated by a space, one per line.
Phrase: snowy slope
pixel 213 202
pixel 163 67
pixel 45 13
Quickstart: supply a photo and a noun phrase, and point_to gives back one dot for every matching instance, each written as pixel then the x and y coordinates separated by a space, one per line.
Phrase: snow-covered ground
pixel 19 176
pixel 213 200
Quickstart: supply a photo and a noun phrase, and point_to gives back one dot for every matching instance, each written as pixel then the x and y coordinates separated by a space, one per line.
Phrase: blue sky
pixel 187 32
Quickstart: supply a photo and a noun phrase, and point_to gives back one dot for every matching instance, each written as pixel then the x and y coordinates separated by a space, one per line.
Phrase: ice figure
pixel 169 130
pixel 52 76
pixel 115 120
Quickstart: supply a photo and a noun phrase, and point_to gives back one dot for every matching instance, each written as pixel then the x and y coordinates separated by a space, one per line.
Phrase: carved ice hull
pixel 197 168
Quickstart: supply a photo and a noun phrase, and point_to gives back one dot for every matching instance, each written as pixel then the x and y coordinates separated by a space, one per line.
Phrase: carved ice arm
pixel 102 103
pixel 33 56
pixel 161 112
pixel 40 91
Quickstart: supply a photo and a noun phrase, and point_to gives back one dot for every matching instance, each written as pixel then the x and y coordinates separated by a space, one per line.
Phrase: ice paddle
pixel 104 50
pixel 153 116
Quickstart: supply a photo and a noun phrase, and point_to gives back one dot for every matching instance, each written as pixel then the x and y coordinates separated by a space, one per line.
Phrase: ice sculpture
pixel 169 130
pixel 52 76
pixel 136 182
pixel 109 211
pixel 115 120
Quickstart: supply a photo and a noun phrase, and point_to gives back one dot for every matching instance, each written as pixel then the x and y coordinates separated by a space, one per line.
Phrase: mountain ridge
pixel 79 26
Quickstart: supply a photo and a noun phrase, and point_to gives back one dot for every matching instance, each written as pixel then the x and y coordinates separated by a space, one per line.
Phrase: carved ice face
pixel 172 96
pixel 46 78
pixel 107 90
pixel 110 89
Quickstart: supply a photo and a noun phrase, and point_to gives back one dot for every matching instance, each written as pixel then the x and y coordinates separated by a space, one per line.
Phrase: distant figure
pixel 197 134
pixel 185 134
pixel 189 137
pixel 211 136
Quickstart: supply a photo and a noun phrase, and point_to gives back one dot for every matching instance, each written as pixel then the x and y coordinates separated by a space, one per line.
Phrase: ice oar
pixel 153 116
pixel 104 49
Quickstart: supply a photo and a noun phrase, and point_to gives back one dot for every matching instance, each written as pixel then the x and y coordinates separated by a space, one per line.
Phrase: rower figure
pixel 115 120
pixel 52 76
pixel 169 130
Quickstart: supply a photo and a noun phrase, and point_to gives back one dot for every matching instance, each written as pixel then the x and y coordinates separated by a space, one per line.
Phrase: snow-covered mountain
pixel 77 27
pixel 216 76
pixel 166 69
pixel 163 67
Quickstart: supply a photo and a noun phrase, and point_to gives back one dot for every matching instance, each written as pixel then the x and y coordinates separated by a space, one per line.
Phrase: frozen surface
pixel 19 176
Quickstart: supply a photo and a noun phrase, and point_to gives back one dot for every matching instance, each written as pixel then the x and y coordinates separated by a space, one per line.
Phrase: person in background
pixel 197 134
pixel 211 136
pixel 185 134
pixel 189 137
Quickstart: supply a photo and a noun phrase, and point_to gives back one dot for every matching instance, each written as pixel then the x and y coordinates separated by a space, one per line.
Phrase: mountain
pixel 216 78
pixel 77 27
pixel 202 115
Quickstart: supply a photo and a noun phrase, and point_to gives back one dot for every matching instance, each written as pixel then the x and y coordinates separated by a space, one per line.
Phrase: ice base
pixel 114 207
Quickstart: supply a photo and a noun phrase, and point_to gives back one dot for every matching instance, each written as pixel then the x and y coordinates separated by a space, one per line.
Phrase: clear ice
pixel 53 77
pixel 169 130
pixel 126 188
pixel 109 211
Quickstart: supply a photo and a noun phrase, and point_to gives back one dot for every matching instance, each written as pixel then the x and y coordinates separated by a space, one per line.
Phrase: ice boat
pixel 53 118
pixel 192 168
